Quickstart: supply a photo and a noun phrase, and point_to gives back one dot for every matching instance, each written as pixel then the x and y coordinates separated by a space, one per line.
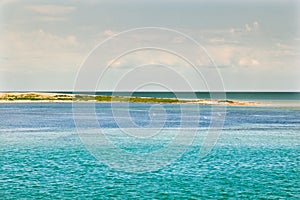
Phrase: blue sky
pixel 255 44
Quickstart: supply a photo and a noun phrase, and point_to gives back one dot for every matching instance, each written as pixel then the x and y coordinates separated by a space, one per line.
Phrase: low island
pixel 61 97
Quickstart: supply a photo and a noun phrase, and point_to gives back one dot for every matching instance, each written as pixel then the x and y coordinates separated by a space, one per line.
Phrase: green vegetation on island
pixel 34 97
pixel 67 97
pixel 57 97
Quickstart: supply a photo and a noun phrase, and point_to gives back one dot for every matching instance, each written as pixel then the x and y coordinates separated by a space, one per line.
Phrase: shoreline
pixel 36 97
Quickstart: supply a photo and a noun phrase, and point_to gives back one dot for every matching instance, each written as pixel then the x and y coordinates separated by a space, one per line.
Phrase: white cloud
pixel 222 54
pixel 248 28
pixel 39 49
pixel 247 61
pixel 229 55
pixel 71 39
pixel 252 28
pixel 256 25
pixel 50 39
pixel 148 57
pixel 237 47
pixel 52 9
pixel 108 33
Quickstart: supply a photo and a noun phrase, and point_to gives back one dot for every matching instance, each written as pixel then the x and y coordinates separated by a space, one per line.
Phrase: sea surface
pixel 43 156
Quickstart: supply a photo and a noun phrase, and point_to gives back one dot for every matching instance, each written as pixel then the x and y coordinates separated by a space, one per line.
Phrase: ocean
pixel 45 155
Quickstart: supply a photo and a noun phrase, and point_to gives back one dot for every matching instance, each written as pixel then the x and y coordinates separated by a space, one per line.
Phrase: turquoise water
pixel 42 156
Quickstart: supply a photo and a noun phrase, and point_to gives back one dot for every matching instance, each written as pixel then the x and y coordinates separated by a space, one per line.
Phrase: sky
pixel 197 45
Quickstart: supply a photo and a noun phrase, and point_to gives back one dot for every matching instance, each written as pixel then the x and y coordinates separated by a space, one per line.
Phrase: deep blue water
pixel 42 155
